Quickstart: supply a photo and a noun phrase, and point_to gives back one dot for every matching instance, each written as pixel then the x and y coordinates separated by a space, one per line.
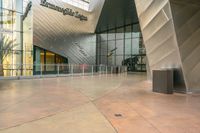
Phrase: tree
pixel 6 47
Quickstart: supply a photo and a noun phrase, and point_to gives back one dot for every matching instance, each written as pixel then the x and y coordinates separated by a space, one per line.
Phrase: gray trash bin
pixel 163 81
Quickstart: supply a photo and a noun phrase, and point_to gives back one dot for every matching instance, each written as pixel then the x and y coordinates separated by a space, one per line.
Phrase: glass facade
pixel 16 38
pixel 11 36
pixel 122 46
pixel 27 39
pixel 45 61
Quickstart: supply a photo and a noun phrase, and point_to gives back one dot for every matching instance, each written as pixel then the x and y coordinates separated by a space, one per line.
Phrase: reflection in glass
pixel 128 46
pixel 7 4
pixel 44 61
pixel 7 20
pixel 10 29
pixel 50 60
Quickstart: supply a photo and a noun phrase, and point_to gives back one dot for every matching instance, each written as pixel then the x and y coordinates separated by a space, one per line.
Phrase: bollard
pixel 92 70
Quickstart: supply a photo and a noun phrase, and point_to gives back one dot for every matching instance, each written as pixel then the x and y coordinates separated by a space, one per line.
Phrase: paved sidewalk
pixel 98 104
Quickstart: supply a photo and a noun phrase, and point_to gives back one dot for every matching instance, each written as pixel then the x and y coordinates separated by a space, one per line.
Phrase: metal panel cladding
pixel 64 32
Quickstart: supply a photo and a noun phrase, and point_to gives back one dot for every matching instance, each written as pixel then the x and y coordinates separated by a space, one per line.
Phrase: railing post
pixel 72 71
pixel 83 70
pixel 40 69
pixel 69 68
pixel 100 69
pixel 106 70
pixel 92 70
pixel 24 71
pixel 58 69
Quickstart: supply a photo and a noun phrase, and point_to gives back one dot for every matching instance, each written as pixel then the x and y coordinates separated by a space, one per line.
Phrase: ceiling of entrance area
pixel 117 13
pixel 83 4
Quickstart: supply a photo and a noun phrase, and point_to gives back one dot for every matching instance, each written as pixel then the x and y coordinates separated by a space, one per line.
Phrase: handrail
pixel 16 70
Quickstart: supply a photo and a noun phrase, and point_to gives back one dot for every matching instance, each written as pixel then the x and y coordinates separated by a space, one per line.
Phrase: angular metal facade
pixel 170 30
pixel 186 16
pixel 65 34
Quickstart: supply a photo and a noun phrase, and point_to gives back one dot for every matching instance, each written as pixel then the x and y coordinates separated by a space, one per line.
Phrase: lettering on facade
pixel 65 11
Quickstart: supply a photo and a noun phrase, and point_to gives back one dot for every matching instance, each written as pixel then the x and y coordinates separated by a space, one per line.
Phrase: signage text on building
pixel 65 11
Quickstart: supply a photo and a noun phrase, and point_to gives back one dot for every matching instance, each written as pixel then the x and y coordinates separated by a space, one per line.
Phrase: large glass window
pixel 18 5
pixel 45 62
pixel 122 46
pixel 11 37
pixel 50 61
pixel 7 4
pixel 28 42
pixel 6 20
pixel 128 47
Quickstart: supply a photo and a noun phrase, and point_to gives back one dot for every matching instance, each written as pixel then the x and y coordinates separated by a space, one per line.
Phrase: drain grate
pixel 118 115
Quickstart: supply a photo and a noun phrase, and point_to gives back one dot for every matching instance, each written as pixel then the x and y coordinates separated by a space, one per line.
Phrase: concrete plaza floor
pixel 98 104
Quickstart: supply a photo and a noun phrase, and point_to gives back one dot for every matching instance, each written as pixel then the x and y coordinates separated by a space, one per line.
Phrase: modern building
pixel 144 35
pixel 99 66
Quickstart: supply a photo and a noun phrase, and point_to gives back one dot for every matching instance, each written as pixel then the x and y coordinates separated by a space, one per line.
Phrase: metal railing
pixel 39 70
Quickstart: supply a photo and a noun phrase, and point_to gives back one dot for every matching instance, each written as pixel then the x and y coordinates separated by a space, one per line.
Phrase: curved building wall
pixel 64 34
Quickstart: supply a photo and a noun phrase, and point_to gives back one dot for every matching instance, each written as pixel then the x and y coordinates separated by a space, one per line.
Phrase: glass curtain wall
pixel 46 61
pixel 16 38
pixel 122 46
pixel 27 39
pixel 11 36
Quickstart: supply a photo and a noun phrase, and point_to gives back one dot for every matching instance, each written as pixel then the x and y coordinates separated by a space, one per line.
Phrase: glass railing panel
pixel 17 70
pixel 64 69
